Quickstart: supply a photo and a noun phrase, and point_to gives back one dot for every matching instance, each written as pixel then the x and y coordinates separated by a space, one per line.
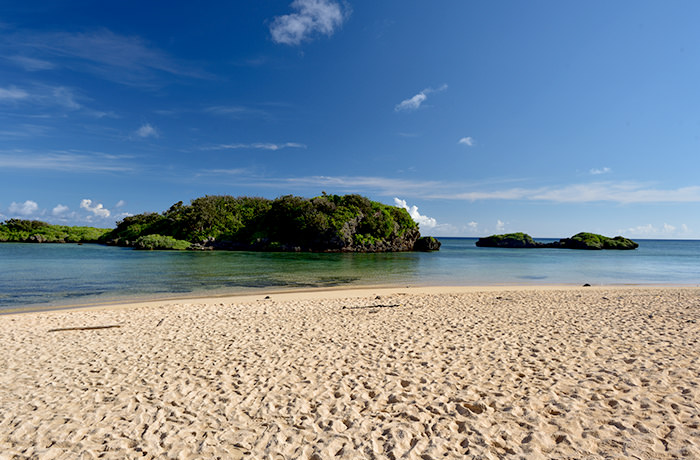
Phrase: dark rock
pixel 427 243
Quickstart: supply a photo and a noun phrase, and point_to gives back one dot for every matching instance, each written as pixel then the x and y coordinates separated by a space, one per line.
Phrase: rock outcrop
pixel 583 240
pixel 326 223
pixel 427 244
pixel 508 240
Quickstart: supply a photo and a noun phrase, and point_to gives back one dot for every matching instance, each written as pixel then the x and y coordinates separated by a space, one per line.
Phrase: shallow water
pixel 45 275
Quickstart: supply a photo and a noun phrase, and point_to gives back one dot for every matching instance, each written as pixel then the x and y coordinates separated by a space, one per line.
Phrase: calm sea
pixel 39 276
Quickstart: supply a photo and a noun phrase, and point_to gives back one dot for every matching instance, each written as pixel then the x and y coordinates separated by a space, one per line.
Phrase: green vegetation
pixel 581 240
pixel 19 231
pixel 508 240
pixel 585 240
pixel 288 223
pixel 160 242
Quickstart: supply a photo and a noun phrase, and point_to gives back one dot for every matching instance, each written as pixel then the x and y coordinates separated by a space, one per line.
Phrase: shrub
pixel 155 241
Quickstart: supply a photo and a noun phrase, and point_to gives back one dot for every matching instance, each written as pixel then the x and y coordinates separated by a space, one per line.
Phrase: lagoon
pixel 38 276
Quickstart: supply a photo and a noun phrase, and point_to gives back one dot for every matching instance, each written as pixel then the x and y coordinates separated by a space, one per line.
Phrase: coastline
pixel 321 293
pixel 373 372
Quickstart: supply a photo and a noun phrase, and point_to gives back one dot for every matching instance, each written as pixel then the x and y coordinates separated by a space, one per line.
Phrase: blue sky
pixel 548 117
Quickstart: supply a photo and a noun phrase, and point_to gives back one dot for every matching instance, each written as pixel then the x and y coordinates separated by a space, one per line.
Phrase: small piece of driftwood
pixel 372 306
pixel 83 328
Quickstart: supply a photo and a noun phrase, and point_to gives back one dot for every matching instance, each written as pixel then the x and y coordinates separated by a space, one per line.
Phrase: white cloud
pixel 59 209
pixel 468 141
pixel 500 225
pixel 473 225
pixel 414 103
pixel 120 203
pixel 27 208
pixel 597 172
pixel 97 209
pixel 312 16
pixel 12 94
pixel 423 221
pixel 146 130
pixel 257 145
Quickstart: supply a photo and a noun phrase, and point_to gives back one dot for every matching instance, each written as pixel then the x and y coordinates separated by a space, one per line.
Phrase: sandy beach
pixel 419 373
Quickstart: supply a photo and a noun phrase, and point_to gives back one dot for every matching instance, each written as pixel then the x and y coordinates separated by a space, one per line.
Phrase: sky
pixel 546 117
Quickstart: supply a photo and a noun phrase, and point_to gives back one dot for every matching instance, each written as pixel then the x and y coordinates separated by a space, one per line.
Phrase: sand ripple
pixel 524 374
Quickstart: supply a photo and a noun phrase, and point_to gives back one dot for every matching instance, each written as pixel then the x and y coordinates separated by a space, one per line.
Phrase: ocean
pixel 39 276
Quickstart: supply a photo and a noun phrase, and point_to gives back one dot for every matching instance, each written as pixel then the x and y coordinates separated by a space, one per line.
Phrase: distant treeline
pixel 289 223
pixel 34 231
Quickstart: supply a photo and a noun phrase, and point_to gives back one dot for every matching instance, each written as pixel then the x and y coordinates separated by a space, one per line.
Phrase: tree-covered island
pixel 581 240
pixel 326 223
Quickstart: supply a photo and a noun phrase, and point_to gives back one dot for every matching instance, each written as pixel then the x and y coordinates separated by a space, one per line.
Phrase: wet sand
pixel 427 373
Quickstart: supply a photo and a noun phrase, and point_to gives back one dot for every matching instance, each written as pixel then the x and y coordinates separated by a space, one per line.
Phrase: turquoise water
pixel 47 275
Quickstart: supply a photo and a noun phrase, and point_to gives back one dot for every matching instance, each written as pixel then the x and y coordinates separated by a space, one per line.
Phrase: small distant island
pixel 326 223
pixel 581 240
pixel 36 231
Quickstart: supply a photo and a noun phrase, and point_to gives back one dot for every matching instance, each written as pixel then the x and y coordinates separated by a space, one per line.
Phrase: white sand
pixel 418 374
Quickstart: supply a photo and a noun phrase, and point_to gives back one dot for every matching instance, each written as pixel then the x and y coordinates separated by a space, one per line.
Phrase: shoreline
pixel 322 292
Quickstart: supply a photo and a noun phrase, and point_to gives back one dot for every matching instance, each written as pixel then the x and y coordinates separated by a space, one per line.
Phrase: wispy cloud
pixel 414 103
pixel 62 161
pixel 312 17
pixel 616 192
pixel 598 171
pixel 612 192
pixel 146 131
pixel 468 141
pixel 225 172
pixel 128 60
pixel 424 221
pixel 257 146
pixel 236 111
pixel 47 101
pixel 650 231
pixel 23 130
pixel 65 97
pixel 12 94
pixel 31 64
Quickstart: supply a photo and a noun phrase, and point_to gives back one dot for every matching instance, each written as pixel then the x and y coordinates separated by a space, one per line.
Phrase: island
pixel 36 231
pixel 326 223
pixel 581 240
